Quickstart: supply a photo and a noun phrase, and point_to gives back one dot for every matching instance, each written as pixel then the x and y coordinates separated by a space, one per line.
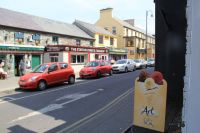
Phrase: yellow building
pixel 103 39
pixel 128 36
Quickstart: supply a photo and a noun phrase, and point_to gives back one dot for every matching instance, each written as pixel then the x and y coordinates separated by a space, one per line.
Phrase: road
pixel 102 105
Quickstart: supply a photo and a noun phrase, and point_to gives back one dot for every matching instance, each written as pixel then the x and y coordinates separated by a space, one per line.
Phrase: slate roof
pixel 126 24
pixel 25 21
pixel 91 29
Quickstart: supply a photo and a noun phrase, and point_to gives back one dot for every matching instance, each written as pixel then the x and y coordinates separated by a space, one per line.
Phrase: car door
pixel 64 71
pixel 102 67
pixel 53 74
pixel 108 67
pixel 129 65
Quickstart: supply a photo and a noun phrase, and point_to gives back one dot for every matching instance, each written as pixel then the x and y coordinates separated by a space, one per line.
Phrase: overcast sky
pixel 86 10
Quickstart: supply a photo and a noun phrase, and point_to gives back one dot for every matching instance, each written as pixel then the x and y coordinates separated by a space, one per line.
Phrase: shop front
pixel 117 54
pixel 11 55
pixel 77 56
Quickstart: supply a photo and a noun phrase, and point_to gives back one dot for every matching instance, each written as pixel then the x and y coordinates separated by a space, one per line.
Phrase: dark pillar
pixel 171 27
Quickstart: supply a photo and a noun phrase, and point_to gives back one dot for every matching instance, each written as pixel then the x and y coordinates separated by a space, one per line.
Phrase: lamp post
pixel 146 39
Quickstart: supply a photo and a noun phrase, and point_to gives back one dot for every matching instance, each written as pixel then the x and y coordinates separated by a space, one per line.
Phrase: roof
pixel 91 28
pixel 126 24
pixel 25 21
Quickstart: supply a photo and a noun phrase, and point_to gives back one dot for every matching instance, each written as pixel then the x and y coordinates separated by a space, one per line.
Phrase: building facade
pixel 128 36
pixel 103 39
pixel 27 37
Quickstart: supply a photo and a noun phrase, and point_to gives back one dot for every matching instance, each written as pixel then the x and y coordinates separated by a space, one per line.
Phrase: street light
pixel 147 11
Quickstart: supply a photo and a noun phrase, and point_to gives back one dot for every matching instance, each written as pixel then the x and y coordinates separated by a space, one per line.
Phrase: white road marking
pixel 52 107
pixel 57 89
pixel 100 89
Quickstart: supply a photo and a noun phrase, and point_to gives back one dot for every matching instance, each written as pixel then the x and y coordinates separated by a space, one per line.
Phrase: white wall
pixel 191 108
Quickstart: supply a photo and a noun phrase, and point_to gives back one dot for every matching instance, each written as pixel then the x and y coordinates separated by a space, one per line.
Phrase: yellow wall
pixel 106 41
pixel 106 20
pixel 109 22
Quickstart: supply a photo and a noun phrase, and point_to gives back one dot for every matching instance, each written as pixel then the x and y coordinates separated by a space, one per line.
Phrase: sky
pixel 86 10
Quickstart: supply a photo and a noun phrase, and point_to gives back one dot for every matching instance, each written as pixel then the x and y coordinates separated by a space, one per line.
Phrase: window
pixel 36 36
pixel 91 43
pixel 54 57
pixel 78 42
pixel 111 41
pixel 53 67
pixel 77 59
pixel 55 39
pixel 100 39
pixel 19 37
pixel 114 30
pixel 63 65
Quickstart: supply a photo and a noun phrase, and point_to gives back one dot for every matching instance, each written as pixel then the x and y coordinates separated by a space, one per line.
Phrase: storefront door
pixel 18 58
pixel 35 61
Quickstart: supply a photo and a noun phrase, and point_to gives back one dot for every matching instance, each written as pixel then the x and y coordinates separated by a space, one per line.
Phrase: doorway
pixel 18 58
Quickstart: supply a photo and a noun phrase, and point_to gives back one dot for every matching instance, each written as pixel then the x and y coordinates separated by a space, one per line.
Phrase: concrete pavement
pixel 11 83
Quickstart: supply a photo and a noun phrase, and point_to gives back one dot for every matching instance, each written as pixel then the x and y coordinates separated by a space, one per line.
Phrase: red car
pixel 96 69
pixel 47 74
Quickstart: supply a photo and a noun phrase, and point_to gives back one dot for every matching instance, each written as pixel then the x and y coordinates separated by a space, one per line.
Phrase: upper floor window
pixel 19 37
pixel 78 42
pixel 91 43
pixel 100 39
pixel 36 36
pixel 55 39
pixel 111 41
pixel 114 30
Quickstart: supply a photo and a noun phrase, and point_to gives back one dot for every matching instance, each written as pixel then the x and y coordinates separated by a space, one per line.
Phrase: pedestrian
pixel 21 68
pixel 3 74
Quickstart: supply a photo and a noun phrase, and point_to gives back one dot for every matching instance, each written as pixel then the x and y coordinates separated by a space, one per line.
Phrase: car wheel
pixel 126 70
pixel 98 74
pixel 71 80
pixel 42 85
pixel 111 72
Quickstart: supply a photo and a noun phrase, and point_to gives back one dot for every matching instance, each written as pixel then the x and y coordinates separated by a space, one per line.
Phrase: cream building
pixel 103 39
pixel 128 36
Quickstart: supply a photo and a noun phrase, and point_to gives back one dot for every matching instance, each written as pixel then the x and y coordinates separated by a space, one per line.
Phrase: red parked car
pixel 96 69
pixel 47 74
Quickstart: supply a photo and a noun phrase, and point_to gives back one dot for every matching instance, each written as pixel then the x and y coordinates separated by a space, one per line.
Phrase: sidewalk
pixel 11 83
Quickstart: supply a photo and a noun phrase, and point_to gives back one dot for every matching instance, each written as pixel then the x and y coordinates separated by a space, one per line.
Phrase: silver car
pixel 140 63
pixel 124 65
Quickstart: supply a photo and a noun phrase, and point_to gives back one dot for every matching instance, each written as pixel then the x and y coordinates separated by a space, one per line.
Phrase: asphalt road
pixel 102 105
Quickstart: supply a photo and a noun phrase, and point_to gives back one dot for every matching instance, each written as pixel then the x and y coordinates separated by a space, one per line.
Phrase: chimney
pixel 107 12
pixel 130 21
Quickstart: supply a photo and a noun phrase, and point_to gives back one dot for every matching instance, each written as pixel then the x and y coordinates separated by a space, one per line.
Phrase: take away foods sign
pixel 150 104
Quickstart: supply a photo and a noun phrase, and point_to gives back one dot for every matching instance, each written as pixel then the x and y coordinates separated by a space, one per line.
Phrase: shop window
pixel 55 39
pixel 78 42
pixel 100 39
pixel 54 57
pixel 114 30
pixel 111 41
pixel 77 59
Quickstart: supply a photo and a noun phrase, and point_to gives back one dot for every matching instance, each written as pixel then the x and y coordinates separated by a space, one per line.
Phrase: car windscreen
pixel 150 59
pixel 136 61
pixel 40 68
pixel 121 62
pixel 92 64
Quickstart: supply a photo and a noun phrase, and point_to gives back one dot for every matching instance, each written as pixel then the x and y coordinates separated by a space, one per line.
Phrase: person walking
pixel 21 68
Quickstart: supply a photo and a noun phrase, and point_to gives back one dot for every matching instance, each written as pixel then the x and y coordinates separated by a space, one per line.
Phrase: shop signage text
pixel 75 49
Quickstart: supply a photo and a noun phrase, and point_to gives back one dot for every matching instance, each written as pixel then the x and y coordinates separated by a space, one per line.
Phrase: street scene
pixel 90 105
pixel 89 66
